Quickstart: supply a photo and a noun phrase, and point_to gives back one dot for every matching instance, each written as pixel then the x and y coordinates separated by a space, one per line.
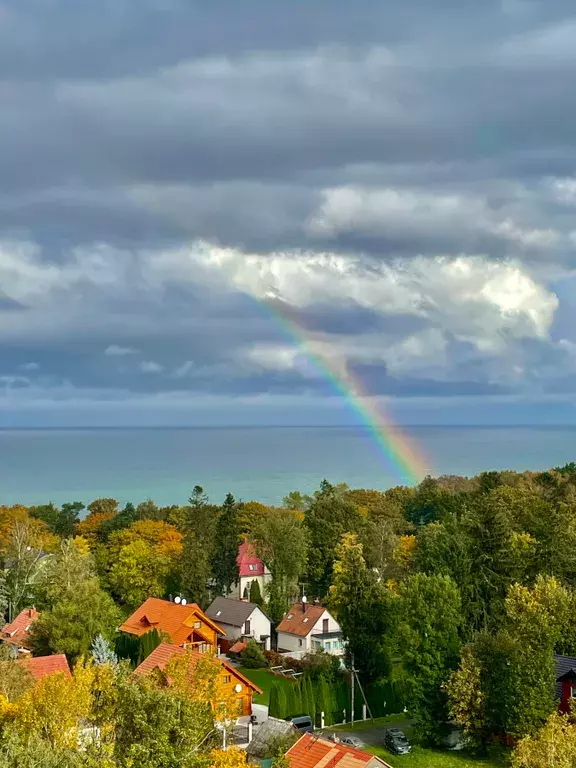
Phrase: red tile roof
pixel 40 666
pixel 238 647
pixel 16 632
pixel 248 563
pixel 298 621
pixel 175 619
pixel 161 655
pixel 313 752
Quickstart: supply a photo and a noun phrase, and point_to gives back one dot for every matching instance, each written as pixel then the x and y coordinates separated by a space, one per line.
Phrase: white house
pixel 250 568
pixel 306 628
pixel 241 621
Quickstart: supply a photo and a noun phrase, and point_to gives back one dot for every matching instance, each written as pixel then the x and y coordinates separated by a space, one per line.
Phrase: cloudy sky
pixel 188 187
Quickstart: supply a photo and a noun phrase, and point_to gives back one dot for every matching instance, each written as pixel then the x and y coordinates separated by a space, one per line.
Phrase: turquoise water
pixel 37 466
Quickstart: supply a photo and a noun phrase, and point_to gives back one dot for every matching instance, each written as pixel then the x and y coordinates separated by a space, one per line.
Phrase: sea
pixel 264 464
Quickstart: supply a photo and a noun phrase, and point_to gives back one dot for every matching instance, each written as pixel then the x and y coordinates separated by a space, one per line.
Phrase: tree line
pixel 458 591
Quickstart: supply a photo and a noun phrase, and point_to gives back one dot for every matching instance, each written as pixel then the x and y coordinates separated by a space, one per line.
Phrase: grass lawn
pixel 263 679
pixel 363 725
pixel 436 758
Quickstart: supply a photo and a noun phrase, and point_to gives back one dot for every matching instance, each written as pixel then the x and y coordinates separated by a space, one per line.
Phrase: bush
pixel 253 656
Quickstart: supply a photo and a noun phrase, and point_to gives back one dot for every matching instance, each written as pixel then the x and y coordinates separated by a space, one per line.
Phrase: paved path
pixel 373 736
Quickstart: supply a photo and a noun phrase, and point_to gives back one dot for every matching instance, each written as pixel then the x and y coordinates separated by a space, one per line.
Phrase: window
pixel 197 624
pixel 247 628
pixel 324 626
pixel 252 567
pixel 218 613
pixel 573 692
pixel 290 616
pixel 300 643
pixel 327 645
pixel 306 620
pixel 227 678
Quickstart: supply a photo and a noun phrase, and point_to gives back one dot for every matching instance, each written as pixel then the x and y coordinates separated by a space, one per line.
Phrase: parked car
pixel 352 741
pixel 302 722
pixel 395 740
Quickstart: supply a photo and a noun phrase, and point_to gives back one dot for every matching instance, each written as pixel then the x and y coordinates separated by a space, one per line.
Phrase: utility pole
pixel 353 683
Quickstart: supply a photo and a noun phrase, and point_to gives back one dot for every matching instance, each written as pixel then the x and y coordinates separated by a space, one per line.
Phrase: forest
pixel 456 594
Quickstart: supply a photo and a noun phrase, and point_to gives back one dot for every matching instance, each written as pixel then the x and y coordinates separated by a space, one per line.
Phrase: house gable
pixel 181 623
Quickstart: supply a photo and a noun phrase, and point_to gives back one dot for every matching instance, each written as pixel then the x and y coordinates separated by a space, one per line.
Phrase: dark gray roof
pixel 228 611
pixel 562 665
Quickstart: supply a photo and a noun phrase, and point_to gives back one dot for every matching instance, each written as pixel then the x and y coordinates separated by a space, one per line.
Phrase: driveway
pixel 370 735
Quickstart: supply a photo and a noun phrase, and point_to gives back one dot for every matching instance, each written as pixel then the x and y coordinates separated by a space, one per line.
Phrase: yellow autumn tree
pixel 554 746
pixel 201 678
pixel 404 552
pixel 55 708
pixel 229 758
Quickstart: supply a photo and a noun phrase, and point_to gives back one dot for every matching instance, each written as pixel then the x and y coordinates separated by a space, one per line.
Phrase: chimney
pixel 304 603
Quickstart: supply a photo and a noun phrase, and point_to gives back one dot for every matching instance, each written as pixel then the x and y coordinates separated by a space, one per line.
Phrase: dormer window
pixel 218 613
pixel 252 567
pixel 290 616
pixel 305 620
pixel 197 624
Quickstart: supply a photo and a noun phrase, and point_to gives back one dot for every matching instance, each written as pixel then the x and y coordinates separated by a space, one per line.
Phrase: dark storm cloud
pixel 380 130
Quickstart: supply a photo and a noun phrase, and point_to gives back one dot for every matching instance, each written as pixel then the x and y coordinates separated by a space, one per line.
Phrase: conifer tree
pixel 256 594
pixel 227 543
pixel 102 652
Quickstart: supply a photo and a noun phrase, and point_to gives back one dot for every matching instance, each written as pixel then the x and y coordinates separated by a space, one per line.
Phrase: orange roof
pixel 238 647
pixel 40 666
pixel 175 619
pixel 299 622
pixel 161 655
pixel 313 752
pixel 16 632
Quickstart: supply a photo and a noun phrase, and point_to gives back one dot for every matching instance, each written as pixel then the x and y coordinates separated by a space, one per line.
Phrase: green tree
pixel 198 547
pixel 256 594
pixel 253 656
pixel 430 616
pixel 361 605
pixel 69 519
pixel 160 727
pixel 138 573
pixel 14 679
pixel 74 620
pixel 280 540
pixel 503 687
pixel 147 643
pixel 330 516
pixel 227 543
pixel 293 700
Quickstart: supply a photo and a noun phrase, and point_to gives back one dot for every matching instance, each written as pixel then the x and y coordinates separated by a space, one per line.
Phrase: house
pixel 565 674
pixel 41 666
pixel 186 625
pixel 250 568
pixel 241 621
pixel 233 680
pixel 309 627
pixel 16 632
pixel 313 752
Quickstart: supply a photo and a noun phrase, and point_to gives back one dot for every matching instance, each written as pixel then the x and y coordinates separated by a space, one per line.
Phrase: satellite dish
pixel 183 601
pixel 238 688
pixel 177 599
pixel 304 599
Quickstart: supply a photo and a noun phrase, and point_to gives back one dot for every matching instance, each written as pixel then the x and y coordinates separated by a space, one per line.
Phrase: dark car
pixel 302 722
pixel 395 740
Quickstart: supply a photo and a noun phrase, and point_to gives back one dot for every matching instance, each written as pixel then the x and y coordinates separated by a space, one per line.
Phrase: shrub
pixel 253 656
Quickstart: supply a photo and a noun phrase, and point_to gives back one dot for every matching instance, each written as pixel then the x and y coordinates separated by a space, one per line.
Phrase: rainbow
pixel 408 463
